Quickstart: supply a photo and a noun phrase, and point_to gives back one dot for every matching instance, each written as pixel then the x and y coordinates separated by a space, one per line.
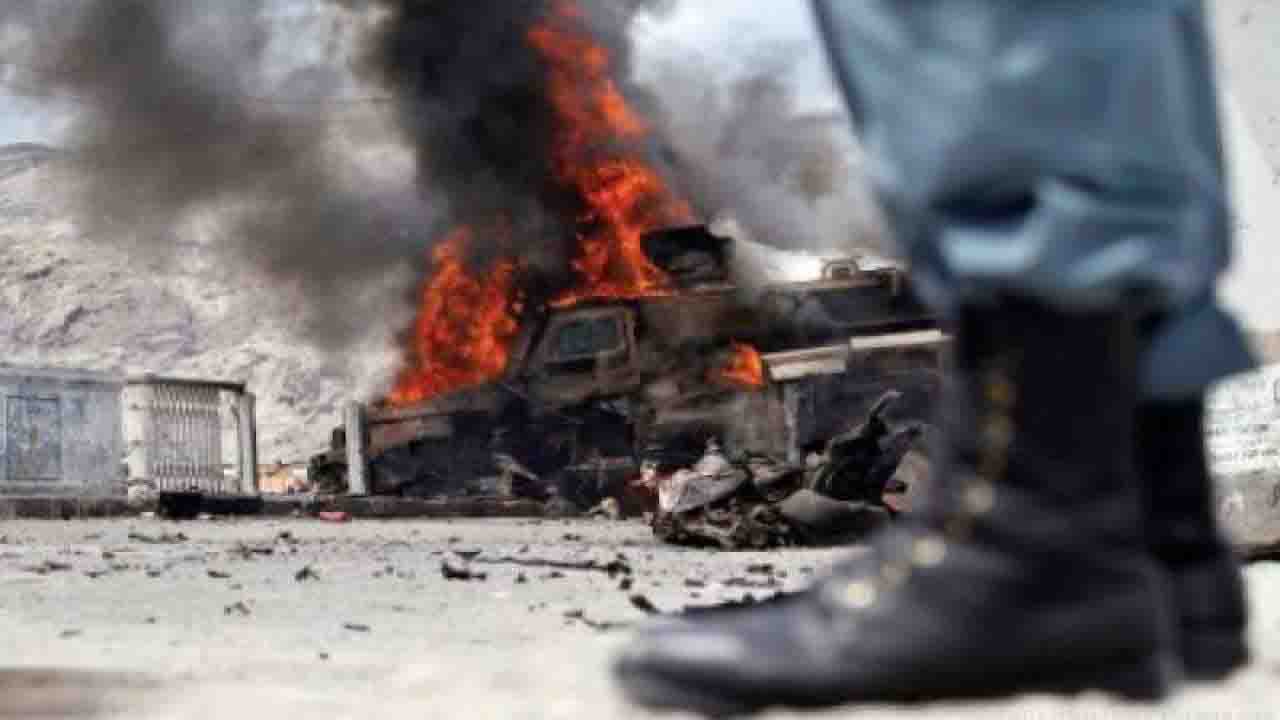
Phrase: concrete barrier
pixel 59 432
pixel 1243 436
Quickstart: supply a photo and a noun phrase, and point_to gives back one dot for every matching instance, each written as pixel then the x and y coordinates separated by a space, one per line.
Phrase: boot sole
pixel 1148 679
pixel 1211 655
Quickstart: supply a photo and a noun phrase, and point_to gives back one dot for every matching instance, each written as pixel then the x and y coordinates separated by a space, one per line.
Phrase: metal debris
pixel 49 566
pixel 613 568
pixel 161 539
pixel 237 608
pixel 758 503
pixel 644 605
pixel 459 569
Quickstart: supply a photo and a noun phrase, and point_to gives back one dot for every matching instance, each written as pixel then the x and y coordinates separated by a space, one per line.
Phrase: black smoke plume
pixel 184 116
pixel 473 101
pixel 175 128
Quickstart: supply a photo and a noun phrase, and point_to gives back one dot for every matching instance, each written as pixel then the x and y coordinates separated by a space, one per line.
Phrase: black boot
pixel 1027 571
pixel 1206 583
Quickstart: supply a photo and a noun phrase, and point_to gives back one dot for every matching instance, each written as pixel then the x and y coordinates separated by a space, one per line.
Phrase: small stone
pixel 356 627
pixel 644 605
pixel 457 569
pixel 66 634
pixel 237 608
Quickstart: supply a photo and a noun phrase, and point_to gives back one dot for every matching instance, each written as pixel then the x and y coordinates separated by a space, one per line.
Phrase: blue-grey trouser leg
pixel 1067 152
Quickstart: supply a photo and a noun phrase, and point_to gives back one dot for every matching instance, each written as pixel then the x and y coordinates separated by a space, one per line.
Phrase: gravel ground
pixel 222 621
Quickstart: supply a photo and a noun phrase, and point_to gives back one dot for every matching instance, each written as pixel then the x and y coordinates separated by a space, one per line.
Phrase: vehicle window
pixel 588 336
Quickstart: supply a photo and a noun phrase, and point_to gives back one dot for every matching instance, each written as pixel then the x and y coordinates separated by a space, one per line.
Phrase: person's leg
pixel 1044 172
pixel 1207 586
pixel 1188 348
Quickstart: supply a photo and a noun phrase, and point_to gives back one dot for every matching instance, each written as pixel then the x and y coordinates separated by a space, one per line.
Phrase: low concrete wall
pixel 1243 437
pixel 59 432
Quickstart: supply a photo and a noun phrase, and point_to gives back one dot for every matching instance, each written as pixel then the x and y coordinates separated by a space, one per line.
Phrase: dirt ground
pixel 304 619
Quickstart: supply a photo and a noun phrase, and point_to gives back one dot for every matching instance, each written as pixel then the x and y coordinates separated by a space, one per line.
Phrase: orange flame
pixel 466 323
pixel 599 153
pixel 745 369
pixel 464 327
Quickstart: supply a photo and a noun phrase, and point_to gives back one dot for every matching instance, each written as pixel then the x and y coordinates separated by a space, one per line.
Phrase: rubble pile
pixel 835 497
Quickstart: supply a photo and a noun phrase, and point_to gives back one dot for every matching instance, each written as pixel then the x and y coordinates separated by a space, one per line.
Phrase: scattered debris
pixel 95 574
pixel 741 582
pixel 554 575
pixel 65 634
pixel 334 516
pixel 644 605
pixel 521 579
pixel 626 584
pixel 608 509
pixel 246 551
pixel 48 566
pixel 578 615
pixel 458 569
pixel 759 503
pixel 613 568
pixel 218 574
pixel 356 627
pixel 760 569
pixel 237 608
pixel 694 583
pixel 305 574
pixel 323 655
pixel 161 539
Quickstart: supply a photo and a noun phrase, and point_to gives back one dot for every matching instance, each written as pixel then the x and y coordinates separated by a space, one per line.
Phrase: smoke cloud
pixel 231 115
pixel 177 125
pixel 746 153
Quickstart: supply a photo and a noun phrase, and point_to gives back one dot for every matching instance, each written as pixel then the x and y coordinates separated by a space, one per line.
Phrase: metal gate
pixel 191 435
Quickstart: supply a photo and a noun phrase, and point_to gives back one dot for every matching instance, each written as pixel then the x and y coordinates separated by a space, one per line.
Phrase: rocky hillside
pixel 72 301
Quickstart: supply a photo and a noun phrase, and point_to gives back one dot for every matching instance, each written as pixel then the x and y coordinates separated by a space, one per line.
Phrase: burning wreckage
pixel 579 337
pixel 724 412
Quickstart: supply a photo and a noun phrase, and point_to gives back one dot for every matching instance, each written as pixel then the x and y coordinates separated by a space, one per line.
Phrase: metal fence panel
pixel 191 435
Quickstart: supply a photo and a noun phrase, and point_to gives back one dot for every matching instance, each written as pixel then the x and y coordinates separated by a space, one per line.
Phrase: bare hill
pixel 70 301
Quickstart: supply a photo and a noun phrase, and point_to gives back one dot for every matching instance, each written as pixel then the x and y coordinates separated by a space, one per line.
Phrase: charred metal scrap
pixel 836 497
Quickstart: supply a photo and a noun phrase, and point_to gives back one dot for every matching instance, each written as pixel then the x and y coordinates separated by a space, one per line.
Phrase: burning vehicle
pixel 589 391
pixel 577 320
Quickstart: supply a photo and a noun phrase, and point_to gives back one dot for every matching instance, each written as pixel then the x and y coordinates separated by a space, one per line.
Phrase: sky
pixel 726 33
